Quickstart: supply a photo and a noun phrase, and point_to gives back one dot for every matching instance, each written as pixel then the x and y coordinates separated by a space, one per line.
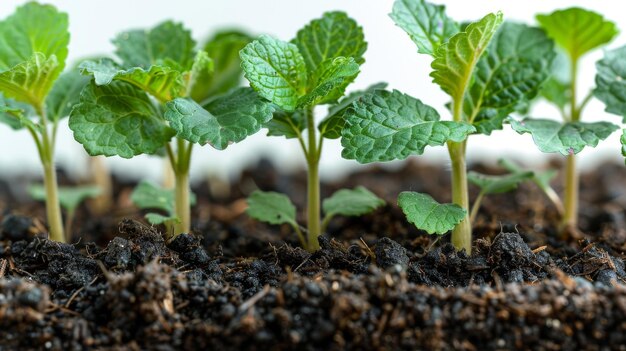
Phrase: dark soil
pixel 376 284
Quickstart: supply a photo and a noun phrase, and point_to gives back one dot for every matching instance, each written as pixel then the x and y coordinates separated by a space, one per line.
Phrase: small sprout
pixel 427 214
pixel 490 184
pixel 69 198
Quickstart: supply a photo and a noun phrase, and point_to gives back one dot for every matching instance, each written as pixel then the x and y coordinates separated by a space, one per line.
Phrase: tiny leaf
pixel 427 24
pixel 69 197
pixel 490 184
pixel 149 196
pixel 577 30
pixel 351 202
pixel 271 207
pixel 276 70
pixel 385 126
pixel 156 219
pixel 429 215
pixel 610 84
pixel 569 138
pixel 118 119
pixel 287 124
pixel 15 114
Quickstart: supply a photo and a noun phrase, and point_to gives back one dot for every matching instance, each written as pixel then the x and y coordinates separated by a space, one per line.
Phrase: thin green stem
pixel 313 185
pixel 462 233
pixel 570 217
pixel 182 205
pixel 326 220
pixel 476 206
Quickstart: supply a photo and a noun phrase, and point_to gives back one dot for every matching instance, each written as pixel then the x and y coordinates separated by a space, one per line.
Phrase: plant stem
pixel 313 185
pixel 101 177
pixel 182 205
pixel 462 233
pixel 570 218
pixel 476 206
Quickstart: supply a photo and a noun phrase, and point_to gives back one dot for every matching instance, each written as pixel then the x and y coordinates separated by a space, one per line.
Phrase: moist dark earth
pixel 377 283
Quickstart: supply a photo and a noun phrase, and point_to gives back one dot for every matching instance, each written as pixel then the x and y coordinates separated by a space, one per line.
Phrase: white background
pixel 391 57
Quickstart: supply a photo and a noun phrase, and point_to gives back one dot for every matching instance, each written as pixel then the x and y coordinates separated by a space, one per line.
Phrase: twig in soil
pixel 69 302
pixel 254 299
pixel 3 267
pixel 367 248
pixel 54 307
pixel 301 264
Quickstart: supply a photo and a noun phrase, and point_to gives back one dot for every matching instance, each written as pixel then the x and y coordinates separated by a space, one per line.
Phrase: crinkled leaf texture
pixel 455 60
pixel 271 207
pixel 610 81
pixel 118 119
pixel 31 80
pixel 577 30
pixel 564 138
pixel 227 119
pixel 351 202
pixel 69 197
pixel 497 184
pixel 427 24
pixel 276 70
pixel 331 84
pixel 515 66
pixel 168 44
pixel 287 124
pixel 331 126
pixel 162 82
pixel 385 126
pixel 427 214
pixel 334 35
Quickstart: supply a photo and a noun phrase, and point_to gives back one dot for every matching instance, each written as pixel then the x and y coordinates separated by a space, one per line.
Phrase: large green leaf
pixel 168 44
pixel 334 35
pixel 271 207
pixel 566 139
pixel 118 119
pixel 331 84
pixel 223 49
pixel 517 62
pixel 455 60
pixel 287 124
pixel 332 125
pixel 225 120
pixel 426 23
pixel 276 70
pixel 162 82
pixel 577 30
pixel 610 84
pixel 385 126
pixel 30 81
pixel 351 202
pixel 34 28
pixel 429 215
pixel 69 197
pixel 65 94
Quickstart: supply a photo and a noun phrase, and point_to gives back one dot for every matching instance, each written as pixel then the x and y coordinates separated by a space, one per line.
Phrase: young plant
pixel 488 68
pixel 275 208
pixel 313 69
pixel 163 96
pixel 34 93
pixel 69 198
pixel 577 32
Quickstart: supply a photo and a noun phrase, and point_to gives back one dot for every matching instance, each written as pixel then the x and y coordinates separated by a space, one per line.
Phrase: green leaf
pixel 31 80
pixel 15 114
pixel 276 70
pixel 351 202
pixel 566 139
pixel 577 30
pixel 455 60
pixel 34 28
pixel 271 207
pixel 332 125
pixel 201 71
pixel 324 39
pixel 65 94
pixel 610 84
pixel 623 140
pixel 332 82
pixel 225 120
pixel 156 218
pixel 149 196
pixel 161 82
pixel 426 23
pixel 223 49
pixel 167 44
pixel 542 179
pixel 287 124
pixel 69 197
pixel 556 92
pixel 490 184
pixel 118 119
pixel 516 64
pixel 429 215
pixel 385 126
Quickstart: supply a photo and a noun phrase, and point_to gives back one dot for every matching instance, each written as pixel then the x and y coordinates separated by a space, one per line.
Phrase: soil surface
pixel 377 283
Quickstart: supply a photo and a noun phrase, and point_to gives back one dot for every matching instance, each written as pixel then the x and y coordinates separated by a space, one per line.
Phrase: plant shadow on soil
pixel 377 283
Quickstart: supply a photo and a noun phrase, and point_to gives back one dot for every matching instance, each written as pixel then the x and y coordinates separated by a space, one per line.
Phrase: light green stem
pixel 570 217
pixel 313 185
pixel 182 205
pixel 462 233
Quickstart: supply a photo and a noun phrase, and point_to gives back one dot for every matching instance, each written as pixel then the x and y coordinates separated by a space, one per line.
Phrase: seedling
pixel 160 89
pixel 489 69
pixel 577 32
pixel 276 208
pixel 313 69
pixel 69 198
pixel 148 196
pixel 35 95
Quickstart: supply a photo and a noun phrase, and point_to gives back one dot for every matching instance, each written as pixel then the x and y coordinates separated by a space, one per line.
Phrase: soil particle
pixel 16 227
pixel 389 253
pixel 189 249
